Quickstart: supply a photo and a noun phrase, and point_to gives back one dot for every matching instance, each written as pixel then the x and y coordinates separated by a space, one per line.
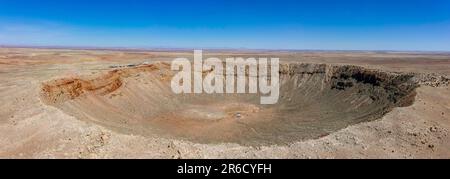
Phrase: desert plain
pixel 112 103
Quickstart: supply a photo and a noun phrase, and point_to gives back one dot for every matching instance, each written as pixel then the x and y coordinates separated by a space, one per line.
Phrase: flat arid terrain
pixel 72 103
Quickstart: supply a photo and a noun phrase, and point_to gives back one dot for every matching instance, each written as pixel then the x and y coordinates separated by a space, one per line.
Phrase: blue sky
pixel 275 24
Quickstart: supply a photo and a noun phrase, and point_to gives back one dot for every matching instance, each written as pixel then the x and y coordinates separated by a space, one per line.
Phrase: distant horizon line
pixel 210 48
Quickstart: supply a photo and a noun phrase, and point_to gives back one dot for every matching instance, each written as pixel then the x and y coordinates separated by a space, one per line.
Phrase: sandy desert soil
pixel 32 126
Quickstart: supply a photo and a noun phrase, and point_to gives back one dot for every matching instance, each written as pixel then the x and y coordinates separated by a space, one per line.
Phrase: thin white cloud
pixel 425 37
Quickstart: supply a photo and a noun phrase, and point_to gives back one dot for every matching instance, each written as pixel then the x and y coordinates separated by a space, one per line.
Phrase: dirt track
pixel 33 126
